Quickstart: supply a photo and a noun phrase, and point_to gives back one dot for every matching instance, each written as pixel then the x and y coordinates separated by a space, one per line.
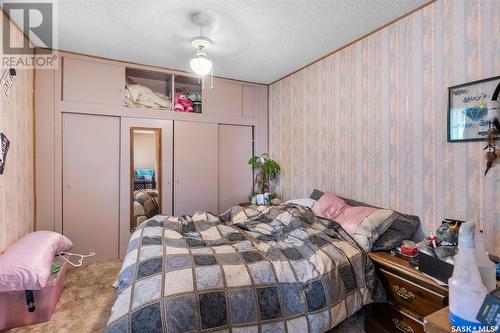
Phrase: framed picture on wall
pixel 468 110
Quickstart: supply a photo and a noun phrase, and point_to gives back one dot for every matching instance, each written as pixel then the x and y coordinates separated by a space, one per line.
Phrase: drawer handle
pixel 406 295
pixel 402 326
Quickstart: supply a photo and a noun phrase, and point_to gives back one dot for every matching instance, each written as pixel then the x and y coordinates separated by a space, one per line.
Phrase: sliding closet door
pixel 235 175
pixel 195 167
pixel 91 166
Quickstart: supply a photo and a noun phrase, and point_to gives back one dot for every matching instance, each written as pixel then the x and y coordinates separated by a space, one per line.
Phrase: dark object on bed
pixel 403 227
pixel 259 268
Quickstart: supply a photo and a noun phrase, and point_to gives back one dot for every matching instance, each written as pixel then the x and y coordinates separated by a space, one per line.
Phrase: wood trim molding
pixel 159 177
pixel 355 41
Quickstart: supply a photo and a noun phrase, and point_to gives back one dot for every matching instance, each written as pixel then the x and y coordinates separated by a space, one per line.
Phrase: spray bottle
pixel 466 289
pixel 487 268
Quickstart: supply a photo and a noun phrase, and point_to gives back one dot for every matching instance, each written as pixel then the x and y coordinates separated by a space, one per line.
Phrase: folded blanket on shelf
pixel 137 95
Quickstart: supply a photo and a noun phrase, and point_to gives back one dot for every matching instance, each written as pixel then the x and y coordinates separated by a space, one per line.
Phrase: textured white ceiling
pixel 254 40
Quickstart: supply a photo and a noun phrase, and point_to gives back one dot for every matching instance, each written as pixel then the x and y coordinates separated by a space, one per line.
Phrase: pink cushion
pixel 329 206
pixel 334 208
pixel 26 264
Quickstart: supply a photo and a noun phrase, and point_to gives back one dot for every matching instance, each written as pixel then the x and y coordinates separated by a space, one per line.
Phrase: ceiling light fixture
pixel 200 64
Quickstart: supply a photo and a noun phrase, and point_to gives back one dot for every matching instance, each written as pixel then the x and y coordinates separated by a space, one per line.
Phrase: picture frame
pixel 468 110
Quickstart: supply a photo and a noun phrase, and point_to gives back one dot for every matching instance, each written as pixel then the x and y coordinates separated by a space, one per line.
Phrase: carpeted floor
pixel 88 295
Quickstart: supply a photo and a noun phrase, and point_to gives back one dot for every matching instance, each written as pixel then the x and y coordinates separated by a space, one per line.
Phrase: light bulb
pixel 201 65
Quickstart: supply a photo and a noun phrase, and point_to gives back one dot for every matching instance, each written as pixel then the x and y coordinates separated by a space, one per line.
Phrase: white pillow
pixel 307 202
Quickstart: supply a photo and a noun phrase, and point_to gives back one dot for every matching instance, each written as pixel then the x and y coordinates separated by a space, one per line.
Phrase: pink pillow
pixel 334 208
pixel 329 206
pixel 26 264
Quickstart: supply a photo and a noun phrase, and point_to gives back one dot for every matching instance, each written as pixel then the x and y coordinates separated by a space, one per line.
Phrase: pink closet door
pixel 91 167
pixel 235 175
pixel 223 99
pixel 195 167
pixel 90 81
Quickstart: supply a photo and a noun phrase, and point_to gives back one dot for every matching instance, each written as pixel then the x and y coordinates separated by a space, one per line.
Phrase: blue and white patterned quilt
pixel 253 269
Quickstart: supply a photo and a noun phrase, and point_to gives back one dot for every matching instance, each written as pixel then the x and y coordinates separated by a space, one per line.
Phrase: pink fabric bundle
pixel 26 265
pixel 334 208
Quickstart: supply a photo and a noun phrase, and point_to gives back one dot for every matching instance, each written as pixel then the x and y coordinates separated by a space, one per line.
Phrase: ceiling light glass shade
pixel 201 65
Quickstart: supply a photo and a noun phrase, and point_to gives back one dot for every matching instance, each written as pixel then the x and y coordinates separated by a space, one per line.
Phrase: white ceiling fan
pixel 201 64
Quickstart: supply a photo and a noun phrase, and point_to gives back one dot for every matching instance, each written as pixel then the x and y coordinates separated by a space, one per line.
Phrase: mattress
pixel 252 269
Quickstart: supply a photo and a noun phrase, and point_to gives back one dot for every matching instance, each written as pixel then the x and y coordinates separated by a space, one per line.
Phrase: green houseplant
pixel 266 171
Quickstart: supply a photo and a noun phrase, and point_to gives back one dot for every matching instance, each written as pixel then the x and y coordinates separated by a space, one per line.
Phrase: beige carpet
pixel 88 295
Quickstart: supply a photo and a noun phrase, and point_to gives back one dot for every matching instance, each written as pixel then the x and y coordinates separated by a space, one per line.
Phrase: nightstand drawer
pixel 411 296
pixel 384 317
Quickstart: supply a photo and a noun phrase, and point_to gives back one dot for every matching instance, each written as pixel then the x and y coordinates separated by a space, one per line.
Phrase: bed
pixel 251 269
pixel 145 205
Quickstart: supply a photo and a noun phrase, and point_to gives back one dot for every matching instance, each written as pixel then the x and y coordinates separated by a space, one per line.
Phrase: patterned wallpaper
pixel 17 196
pixel 369 121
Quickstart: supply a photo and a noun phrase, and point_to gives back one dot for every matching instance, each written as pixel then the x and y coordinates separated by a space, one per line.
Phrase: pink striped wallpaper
pixel 369 121
pixel 17 184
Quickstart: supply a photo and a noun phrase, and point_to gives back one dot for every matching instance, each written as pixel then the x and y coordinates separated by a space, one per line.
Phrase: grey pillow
pixel 403 226
pixel 316 194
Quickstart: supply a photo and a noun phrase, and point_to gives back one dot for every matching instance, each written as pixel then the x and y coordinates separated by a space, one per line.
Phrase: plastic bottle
pixel 487 268
pixel 466 289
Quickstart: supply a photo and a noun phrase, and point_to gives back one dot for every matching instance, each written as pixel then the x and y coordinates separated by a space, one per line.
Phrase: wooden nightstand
pixel 411 296
pixel 437 322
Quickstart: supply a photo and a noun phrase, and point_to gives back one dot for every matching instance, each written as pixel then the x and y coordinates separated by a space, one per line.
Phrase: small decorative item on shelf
pixel 443 244
pixel 436 254
pixel 196 99
pixel 266 171
pixel 182 103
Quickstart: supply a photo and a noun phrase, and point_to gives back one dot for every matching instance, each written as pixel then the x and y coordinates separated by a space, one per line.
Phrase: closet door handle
pixel 68 187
